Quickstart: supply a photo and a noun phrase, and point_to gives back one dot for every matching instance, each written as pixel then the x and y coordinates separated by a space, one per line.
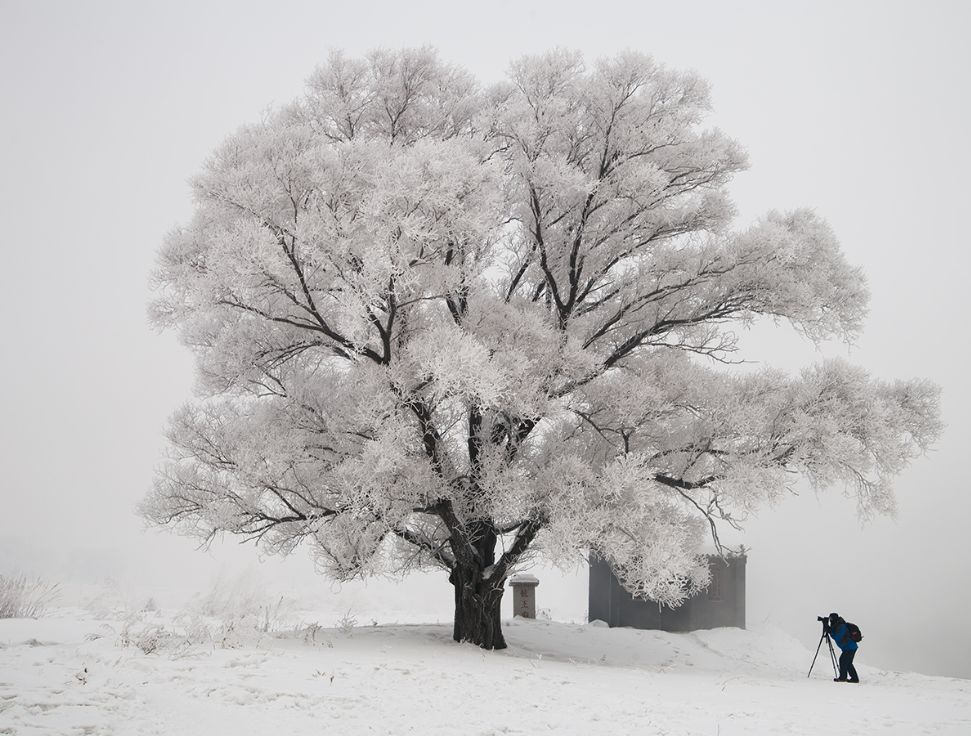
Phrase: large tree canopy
pixel 438 324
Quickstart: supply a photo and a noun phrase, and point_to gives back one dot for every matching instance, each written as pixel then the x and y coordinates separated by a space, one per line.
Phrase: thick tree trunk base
pixel 477 610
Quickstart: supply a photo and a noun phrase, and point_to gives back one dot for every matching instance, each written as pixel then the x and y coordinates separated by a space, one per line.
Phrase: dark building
pixel 722 604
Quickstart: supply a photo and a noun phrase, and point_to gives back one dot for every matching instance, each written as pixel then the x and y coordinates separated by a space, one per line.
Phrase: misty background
pixel 859 110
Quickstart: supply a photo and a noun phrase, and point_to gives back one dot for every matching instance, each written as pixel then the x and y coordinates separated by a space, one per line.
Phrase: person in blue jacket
pixel 841 635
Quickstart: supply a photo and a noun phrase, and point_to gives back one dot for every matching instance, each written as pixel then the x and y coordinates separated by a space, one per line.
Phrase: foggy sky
pixel 859 110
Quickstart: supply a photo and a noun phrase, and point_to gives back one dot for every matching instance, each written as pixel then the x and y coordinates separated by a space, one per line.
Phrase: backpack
pixel 853 631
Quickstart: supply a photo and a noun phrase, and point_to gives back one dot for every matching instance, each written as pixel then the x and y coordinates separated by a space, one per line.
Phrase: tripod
pixel 832 654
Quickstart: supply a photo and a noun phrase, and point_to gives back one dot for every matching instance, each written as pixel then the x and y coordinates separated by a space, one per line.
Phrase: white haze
pixel 859 110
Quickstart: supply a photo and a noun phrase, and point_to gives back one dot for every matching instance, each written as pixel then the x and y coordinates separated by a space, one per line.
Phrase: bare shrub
pixel 243 604
pixel 187 634
pixel 347 623
pixel 23 597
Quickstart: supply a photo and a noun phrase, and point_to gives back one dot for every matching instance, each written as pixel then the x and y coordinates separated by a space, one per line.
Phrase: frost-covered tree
pixel 438 324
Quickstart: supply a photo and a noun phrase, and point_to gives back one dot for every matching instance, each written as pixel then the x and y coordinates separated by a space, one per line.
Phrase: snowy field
pixel 78 671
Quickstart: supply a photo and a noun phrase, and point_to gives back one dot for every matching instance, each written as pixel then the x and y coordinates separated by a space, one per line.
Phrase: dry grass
pixel 23 597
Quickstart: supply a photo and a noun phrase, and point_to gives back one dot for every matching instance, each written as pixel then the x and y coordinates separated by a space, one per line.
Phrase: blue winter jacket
pixel 841 635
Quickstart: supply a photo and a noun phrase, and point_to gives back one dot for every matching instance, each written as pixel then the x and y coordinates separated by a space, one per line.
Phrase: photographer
pixel 838 631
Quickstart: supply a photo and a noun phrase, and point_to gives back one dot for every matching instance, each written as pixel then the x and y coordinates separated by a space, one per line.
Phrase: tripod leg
pixel 832 656
pixel 817 653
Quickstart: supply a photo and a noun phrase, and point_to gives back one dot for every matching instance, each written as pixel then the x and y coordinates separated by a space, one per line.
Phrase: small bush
pixel 149 639
pixel 188 634
pixel 244 605
pixel 347 623
pixel 21 597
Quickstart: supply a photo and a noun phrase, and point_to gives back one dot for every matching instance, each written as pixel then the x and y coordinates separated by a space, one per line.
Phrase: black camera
pixel 822 618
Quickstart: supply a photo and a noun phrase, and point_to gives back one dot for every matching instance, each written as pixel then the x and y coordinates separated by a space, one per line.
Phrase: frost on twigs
pixel 235 612
pixel 441 324
pixel 24 597
pixel 186 634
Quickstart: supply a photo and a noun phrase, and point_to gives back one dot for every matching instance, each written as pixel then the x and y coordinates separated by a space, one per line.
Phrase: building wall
pixel 723 604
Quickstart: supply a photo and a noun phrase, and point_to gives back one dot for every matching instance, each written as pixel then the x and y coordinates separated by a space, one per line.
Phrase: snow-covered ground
pixel 80 672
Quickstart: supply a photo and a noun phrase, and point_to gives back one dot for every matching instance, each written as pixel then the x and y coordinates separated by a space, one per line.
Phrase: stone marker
pixel 524 595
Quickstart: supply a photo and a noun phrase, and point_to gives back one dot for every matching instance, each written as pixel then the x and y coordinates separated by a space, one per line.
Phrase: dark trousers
pixel 846 665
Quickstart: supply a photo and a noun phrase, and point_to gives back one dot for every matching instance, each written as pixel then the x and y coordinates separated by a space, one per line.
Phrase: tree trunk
pixel 477 608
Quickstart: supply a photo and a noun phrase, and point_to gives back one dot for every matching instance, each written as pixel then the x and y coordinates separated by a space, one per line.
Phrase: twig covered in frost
pixel 23 597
